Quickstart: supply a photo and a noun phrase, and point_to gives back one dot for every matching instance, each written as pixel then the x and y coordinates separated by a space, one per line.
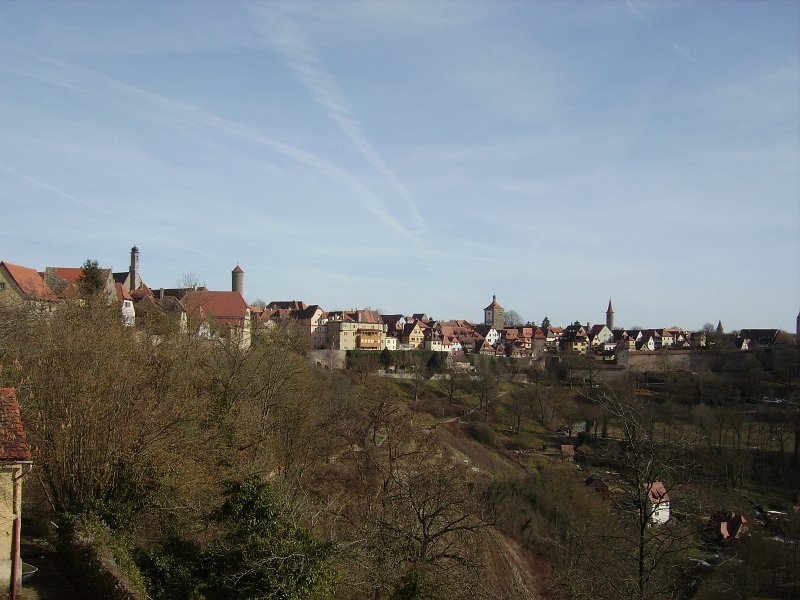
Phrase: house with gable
pixel 66 281
pixel 433 341
pixel 356 330
pixel 221 314
pixel 15 462
pixel 413 334
pixel 760 339
pixel 313 322
pixel 680 338
pixel 599 335
pixel 553 337
pixel 489 333
pixel 574 340
pixel 657 503
pixel 23 285
pixel 394 324
pixel 648 341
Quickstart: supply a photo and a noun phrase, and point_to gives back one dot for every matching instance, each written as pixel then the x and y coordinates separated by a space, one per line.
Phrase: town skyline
pixel 417 157
pixel 239 274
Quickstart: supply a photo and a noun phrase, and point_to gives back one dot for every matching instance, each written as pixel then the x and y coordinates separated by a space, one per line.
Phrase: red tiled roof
pixel 70 274
pixel 13 443
pixel 494 305
pixel 658 493
pixel 122 293
pixel 142 292
pixel 222 306
pixel 30 282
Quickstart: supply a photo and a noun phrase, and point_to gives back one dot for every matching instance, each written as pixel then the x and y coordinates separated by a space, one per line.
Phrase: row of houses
pixel 207 312
pixel 192 309
pixel 369 330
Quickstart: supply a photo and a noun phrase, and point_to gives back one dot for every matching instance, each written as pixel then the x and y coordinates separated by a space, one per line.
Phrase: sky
pixel 416 156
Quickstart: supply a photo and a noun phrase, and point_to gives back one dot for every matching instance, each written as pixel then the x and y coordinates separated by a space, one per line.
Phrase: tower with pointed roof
pixel 720 329
pixel 237 280
pixel 610 315
pixel 493 314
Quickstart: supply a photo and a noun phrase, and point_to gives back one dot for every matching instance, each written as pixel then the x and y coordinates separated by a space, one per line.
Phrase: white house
pixel 657 503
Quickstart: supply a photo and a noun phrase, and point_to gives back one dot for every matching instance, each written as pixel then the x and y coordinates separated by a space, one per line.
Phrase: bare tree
pixel 635 557
pixel 512 318
pixel 364 364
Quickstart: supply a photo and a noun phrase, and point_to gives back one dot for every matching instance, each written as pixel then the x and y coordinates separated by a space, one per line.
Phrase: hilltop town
pixel 227 312
pixel 189 444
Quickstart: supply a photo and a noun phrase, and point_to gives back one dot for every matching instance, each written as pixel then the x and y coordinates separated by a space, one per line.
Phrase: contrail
pixel 302 60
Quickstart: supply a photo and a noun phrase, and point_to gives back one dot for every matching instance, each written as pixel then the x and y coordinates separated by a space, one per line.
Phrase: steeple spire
pixel 610 315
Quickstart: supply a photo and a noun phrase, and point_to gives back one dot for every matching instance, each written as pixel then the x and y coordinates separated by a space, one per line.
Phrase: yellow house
pixel 23 285
pixel 413 335
pixel 356 330
pixel 15 462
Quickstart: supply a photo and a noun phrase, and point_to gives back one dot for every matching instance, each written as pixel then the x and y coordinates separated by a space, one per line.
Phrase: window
pixel 2 285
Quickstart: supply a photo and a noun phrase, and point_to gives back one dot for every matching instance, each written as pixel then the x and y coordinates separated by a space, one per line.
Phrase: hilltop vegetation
pixel 224 472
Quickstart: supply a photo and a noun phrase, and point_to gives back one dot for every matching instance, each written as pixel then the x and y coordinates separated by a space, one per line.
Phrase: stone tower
pixel 134 280
pixel 720 329
pixel 493 314
pixel 237 280
pixel 610 315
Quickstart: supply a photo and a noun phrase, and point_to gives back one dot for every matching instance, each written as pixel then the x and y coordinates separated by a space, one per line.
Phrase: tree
pixel 363 364
pixel 257 552
pixel 485 386
pixel 519 403
pixel 419 363
pixel 261 553
pixel 545 323
pixel 90 282
pixel 512 318
pixel 386 359
pixel 104 408
pixel 454 381
pixel 641 560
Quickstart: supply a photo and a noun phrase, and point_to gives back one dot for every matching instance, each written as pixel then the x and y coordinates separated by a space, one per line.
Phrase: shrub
pixel 482 433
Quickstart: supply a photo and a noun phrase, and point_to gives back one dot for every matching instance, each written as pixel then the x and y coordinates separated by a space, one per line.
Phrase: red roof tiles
pixel 30 282
pixel 13 443
pixel 222 306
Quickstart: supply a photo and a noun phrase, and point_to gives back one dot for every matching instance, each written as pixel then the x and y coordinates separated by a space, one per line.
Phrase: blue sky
pixel 416 156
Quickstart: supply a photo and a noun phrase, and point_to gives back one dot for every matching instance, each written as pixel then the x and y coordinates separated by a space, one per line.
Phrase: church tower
pixel 610 315
pixel 493 314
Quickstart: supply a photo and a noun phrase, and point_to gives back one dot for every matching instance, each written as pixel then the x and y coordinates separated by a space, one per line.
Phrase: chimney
pixel 133 273
pixel 237 280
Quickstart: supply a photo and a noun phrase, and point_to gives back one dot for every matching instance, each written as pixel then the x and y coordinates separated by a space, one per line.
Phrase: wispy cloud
pixel 35 181
pixel 303 61
pixel 637 12
pixel 90 81
pixel 685 53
